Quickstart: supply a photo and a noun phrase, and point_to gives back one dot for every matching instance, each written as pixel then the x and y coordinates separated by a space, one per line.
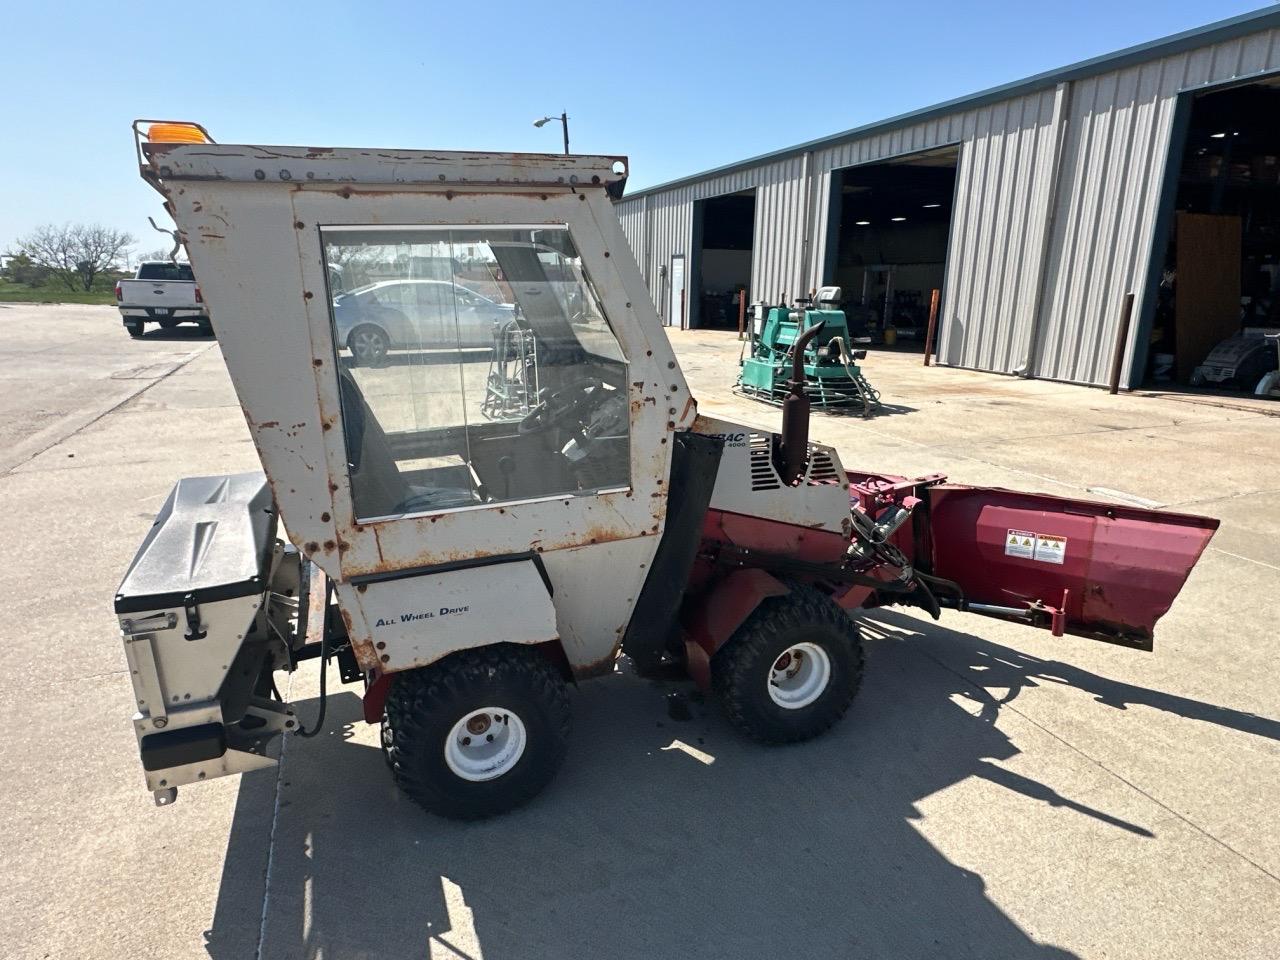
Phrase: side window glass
pixel 506 383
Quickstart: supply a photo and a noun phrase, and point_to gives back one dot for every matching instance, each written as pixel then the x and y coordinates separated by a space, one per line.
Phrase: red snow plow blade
pixel 1096 570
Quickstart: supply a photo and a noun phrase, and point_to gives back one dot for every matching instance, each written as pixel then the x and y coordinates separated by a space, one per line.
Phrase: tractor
pixel 466 562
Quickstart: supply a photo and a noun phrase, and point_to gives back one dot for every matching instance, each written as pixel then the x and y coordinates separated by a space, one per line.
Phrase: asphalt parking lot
pixel 994 792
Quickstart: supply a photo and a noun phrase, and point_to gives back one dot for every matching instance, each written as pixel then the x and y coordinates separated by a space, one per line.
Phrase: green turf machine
pixel 833 379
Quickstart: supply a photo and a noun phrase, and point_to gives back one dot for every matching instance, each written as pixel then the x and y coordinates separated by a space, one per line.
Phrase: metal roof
pixel 1242 25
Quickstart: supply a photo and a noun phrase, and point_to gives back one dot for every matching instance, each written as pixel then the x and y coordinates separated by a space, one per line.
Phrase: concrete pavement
pixel 994 792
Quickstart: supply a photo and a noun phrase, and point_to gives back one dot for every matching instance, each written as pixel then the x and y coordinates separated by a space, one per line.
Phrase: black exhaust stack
pixel 791 454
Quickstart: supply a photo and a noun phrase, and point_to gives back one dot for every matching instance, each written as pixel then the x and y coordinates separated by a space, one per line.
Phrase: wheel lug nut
pixel 489 738
pixel 466 741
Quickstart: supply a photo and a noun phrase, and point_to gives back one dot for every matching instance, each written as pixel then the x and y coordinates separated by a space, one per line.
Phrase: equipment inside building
pixel 890 229
pixel 1218 290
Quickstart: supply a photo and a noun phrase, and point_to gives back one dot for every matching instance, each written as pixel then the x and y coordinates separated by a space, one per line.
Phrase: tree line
pixel 75 255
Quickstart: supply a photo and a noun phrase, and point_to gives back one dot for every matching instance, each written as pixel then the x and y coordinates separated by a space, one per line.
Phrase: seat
pixel 378 489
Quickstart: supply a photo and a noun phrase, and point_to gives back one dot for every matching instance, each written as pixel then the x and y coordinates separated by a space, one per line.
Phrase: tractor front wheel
pixel 791 670
pixel 479 732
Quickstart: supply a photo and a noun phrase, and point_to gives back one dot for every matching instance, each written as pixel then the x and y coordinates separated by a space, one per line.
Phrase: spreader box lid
pixel 211 541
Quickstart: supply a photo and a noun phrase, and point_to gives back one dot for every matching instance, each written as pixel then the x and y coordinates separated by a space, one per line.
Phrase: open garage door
pixel 723 241
pixel 1216 267
pixel 887 246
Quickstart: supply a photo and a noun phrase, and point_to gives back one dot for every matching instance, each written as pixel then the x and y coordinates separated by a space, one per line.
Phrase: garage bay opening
pixel 1217 277
pixel 723 239
pixel 887 243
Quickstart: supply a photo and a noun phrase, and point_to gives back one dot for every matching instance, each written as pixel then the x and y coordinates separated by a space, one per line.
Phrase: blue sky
pixel 677 86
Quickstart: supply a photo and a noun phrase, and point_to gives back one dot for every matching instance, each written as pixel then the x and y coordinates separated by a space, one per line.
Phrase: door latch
pixel 193 619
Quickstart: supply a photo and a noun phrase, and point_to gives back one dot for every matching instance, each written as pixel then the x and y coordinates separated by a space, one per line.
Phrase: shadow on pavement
pixel 992 665
pixel 848 412
pixel 180 332
pixel 642 848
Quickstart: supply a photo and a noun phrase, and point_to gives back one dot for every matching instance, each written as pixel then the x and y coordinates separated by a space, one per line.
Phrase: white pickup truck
pixel 162 292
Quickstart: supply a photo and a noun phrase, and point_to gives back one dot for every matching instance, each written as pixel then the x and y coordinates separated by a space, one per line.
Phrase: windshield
pixel 476 366
pixel 165 271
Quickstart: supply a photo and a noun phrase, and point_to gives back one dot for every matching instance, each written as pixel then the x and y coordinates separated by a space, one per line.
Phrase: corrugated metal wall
pixel 669 222
pixel 633 216
pixel 1113 163
pixel 1057 194
pixel 996 236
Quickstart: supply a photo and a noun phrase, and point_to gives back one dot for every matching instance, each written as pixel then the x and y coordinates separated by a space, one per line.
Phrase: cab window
pixel 474 367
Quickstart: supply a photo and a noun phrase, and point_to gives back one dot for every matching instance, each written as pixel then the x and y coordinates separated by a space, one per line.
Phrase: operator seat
pixel 378 488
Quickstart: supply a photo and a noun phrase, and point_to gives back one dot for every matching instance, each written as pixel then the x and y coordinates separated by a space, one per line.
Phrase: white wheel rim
pixel 485 744
pixel 799 676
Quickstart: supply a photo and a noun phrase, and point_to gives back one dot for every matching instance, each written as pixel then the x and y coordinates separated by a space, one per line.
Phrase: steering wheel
pixel 556 406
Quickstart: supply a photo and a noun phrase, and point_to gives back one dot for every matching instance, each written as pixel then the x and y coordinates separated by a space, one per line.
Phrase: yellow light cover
pixel 176 133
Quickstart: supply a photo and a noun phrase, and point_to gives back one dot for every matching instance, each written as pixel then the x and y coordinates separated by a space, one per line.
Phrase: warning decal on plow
pixel 1020 543
pixel 1050 549
pixel 1035 546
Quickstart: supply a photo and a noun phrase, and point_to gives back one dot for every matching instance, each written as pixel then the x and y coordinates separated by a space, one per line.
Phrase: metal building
pixel 1064 190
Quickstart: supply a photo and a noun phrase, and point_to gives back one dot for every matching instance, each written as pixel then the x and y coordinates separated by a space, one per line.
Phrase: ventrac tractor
pixel 465 560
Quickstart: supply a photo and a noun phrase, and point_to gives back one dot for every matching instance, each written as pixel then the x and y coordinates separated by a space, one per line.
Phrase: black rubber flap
pixel 211 540
pixel 695 462
pixel 173 748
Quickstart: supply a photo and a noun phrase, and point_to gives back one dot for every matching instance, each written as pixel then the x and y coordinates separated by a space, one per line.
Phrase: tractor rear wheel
pixel 791 670
pixel 479 732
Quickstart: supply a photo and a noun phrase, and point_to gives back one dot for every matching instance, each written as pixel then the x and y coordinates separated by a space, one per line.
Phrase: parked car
pixel 375 319
pixel 163 292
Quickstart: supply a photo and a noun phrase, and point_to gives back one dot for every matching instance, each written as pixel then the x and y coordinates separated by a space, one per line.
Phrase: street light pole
pixel 564 122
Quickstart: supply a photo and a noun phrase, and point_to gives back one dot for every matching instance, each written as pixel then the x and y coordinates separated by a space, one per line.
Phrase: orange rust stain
pixel 346 618
pixel 596 668
pixel 366 657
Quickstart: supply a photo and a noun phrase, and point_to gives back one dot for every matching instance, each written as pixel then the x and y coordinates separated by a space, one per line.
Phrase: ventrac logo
pixel 732 439
pixel 421 615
